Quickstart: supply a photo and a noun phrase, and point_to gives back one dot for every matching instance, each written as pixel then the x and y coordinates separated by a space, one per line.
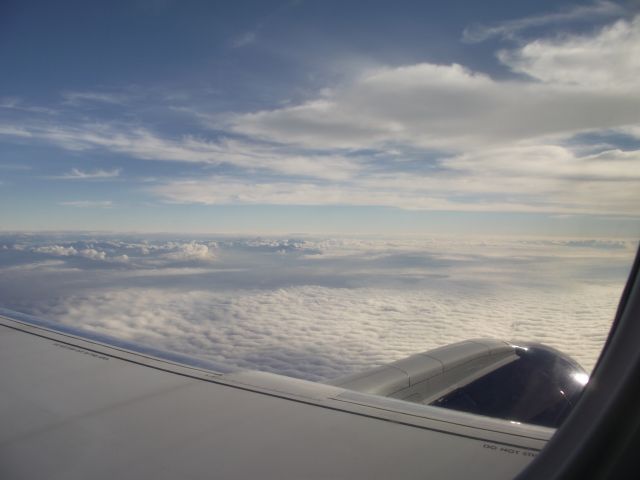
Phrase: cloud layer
pixel 318 308
pixel 583 82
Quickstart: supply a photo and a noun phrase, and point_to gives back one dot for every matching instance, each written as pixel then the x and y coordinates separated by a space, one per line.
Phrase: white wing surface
pixel 73 406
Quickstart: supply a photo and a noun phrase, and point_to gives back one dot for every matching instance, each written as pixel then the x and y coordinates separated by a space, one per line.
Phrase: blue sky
pixel 320 117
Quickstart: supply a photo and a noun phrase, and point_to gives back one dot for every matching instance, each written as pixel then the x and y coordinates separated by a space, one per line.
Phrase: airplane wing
pixel 75 405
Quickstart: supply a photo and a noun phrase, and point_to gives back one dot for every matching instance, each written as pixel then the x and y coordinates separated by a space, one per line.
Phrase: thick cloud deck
pixel 318 308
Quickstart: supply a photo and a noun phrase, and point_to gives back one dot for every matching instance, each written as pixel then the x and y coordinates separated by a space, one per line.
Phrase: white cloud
pixel 320 333
pixel 550 161
pixel 583 83
pixel 56 266
pixel 609 60
pixel 92 254
pixel 16 103
pixel 191 251
pixel 14 131
pixel 510 28
pixel 352 304
pixel 143 144
pixel 58 250
pixel 71 251
pixel 633 131
pixel 442 107
pixel 545 178
pixel 160 255
pixel 77 174
pixel 226 191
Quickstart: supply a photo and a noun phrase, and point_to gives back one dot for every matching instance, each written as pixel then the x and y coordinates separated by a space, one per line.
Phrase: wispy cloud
pixel 546 178
pixel 77 98
pixel 77 174
pixel 14 131
pixel 143 144
pixel 249 37
pixel 510 28
pixel 88 204
pixel 16 103
pixel 243 40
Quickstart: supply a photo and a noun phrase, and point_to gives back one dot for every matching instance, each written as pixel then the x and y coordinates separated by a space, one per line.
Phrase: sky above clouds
pixel 299 116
